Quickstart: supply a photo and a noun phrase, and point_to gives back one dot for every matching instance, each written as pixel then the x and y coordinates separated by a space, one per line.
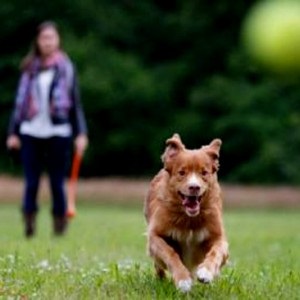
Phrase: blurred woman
pixel 47 116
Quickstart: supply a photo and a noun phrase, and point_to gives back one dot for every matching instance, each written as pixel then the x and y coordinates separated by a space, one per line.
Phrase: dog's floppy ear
pixel 213 150
pixel 173 146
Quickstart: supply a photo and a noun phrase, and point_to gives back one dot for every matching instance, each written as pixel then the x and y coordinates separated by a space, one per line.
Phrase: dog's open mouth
pixel 191 204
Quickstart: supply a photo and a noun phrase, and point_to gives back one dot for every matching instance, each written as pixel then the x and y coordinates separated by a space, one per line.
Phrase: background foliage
pixel 151 68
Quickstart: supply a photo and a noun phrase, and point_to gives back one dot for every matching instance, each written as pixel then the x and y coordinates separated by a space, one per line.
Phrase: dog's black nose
pixel 194 188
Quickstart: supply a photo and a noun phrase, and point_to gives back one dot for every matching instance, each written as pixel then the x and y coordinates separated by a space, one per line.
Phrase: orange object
pixel 72 185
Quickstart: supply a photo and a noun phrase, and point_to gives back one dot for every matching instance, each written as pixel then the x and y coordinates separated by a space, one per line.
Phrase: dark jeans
pixel 52 153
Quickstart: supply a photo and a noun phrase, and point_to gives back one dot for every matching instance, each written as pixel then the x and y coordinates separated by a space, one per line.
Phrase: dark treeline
pixel 151 68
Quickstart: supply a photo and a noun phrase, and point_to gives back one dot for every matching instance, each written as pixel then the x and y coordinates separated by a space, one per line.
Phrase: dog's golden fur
pixel 183 210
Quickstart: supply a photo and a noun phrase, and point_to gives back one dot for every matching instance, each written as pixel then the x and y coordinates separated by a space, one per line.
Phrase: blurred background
pixel 147 69
pixel 150 68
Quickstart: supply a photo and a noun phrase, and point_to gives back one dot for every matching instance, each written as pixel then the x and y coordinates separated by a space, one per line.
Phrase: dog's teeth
pixel 204 275
pixel 185 285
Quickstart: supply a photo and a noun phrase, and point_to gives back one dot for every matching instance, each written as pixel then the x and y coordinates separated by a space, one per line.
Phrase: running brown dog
pixel 183 209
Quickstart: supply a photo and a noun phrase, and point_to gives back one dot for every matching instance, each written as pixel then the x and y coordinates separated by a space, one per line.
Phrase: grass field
pixel 103 257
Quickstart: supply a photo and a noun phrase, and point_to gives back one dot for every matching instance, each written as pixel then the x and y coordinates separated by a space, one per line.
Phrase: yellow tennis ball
pixel 271 35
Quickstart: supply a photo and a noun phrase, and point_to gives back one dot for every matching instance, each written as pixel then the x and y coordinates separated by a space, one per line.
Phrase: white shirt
pixel 41 126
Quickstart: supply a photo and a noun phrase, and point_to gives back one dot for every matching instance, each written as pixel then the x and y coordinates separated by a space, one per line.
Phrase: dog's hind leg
pixel 160 270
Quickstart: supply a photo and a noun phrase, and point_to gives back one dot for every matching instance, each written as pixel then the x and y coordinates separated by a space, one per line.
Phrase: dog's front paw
pixel 204 275
pixel 185 285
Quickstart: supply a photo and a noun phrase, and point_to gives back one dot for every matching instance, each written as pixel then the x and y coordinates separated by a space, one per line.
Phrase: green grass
pixel 103 257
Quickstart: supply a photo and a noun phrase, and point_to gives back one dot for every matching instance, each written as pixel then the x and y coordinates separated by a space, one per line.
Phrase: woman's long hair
pixel 35 51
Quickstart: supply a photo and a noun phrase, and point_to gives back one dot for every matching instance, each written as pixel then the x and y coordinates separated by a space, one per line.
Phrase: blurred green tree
pixel 151 68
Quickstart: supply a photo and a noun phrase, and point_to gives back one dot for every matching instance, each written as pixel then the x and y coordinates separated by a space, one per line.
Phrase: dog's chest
pixel 188 237
pixel 188 244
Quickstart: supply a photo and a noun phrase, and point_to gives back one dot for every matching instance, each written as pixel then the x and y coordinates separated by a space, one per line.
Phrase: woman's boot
pixel 29 222
pixel 60 224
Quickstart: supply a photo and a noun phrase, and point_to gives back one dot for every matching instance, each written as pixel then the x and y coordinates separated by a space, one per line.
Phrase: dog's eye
pixel 181 172
pixel 204 172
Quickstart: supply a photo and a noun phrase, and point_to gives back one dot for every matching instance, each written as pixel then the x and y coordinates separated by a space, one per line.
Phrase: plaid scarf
pixel 27 101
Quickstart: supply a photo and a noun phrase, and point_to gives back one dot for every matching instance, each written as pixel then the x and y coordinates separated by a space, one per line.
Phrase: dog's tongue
pixel 190 201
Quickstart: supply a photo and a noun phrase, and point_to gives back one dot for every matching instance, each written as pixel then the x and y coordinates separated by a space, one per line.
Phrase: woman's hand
pixel 81 143
pixel 13 142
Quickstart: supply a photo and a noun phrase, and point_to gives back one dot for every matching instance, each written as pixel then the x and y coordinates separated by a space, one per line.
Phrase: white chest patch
pixel 189 241
pixel 189 237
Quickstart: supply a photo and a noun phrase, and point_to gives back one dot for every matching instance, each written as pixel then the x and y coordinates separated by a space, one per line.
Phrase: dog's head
pixel 191 172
